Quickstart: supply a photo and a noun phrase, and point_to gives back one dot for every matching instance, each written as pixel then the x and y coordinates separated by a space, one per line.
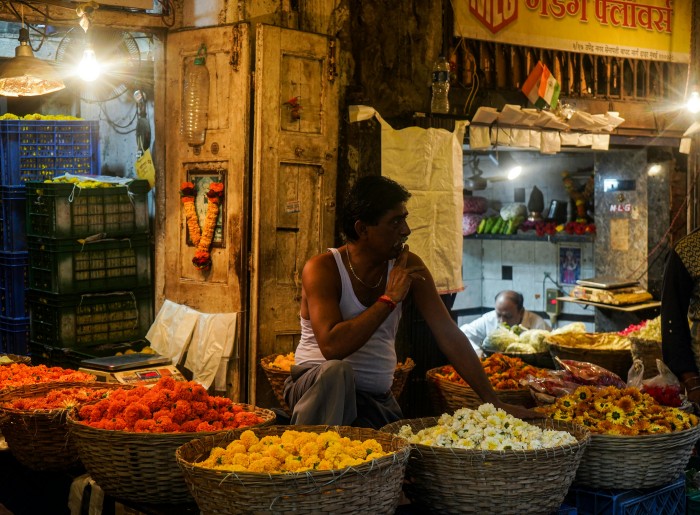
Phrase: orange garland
pixel 202 239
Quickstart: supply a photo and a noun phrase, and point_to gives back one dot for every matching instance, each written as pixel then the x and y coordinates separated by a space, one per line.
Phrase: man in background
pixel 510 311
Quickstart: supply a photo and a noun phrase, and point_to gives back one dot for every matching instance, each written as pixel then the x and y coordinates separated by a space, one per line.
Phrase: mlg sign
pixel 494 14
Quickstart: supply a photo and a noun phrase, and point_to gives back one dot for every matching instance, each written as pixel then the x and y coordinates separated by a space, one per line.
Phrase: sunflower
pixel 562 415
pixel 601 405
pixel 615 415
pixel 626 403
pixel 583 393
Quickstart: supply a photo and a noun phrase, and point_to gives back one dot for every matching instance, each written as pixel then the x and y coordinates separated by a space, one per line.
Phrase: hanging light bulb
pixel 693 104
pixel 25 75
pixel 89 68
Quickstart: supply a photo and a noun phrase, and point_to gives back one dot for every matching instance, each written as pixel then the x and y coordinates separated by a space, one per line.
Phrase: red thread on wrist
pixel 388 301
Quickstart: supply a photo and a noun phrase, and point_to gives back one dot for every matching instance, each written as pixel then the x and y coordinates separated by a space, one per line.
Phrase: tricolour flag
pixel 541 88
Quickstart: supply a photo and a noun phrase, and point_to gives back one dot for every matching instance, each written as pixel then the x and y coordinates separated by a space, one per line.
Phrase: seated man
pixel 509 310
pixel 350 311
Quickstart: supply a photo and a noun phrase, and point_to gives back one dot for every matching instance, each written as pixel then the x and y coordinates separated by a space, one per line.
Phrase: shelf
pixel 551 238
pixel 628 307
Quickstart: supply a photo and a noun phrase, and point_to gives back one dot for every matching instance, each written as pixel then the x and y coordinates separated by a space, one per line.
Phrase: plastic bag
pixel 635 376
pixel 590 374
pixel 556 383
pixel 665 387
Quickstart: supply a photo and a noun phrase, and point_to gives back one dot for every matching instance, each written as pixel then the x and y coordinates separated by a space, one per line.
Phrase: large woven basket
pixel 139 467
pixel 445 481
pixel 536 359
pixel 644 461
pixel 617 361
pixel 450 396
pixel 648 351
pixel 373 487
pixel 15 358
pixel 277 377
pixel 39 438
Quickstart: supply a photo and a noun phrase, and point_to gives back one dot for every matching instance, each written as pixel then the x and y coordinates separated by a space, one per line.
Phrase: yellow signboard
pixel 657 30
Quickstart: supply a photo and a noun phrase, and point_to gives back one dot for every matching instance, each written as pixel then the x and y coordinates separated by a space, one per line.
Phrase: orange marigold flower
pixel 144 425
pixel 205 426
pixel 191 425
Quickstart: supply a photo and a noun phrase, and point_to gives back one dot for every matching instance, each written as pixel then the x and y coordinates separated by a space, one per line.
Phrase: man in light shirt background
pixel 509 310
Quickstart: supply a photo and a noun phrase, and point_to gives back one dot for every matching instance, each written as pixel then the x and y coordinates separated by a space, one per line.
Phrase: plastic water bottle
pixel 441 86
pixel 195 100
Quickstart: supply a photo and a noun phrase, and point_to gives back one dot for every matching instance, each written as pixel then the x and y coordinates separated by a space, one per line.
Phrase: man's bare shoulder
pixel 321 266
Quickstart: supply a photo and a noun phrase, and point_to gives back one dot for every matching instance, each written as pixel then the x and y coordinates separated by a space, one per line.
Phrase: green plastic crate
pixel 68 266
pixel 63 210
pixel 80 321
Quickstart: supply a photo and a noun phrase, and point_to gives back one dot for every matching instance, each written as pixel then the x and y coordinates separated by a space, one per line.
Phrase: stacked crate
pixel 32 150
pixel 89 282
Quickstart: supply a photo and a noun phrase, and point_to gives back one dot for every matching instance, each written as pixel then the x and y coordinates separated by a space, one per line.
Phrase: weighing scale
pixel 610 290
pixel 137 368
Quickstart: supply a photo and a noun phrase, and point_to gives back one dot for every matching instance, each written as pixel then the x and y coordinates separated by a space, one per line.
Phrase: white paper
pixel 601 142
pixel 684 147
pixel 171 331
pixel 569 139
pixel 693 129
pixel 520 137
pixel 212 343
pixel 360 113
pixel 479 137
pixel 551 142
pixel 511 115
pixel 502 136
pixel 486 115
pixel 535 138
pixel 585 139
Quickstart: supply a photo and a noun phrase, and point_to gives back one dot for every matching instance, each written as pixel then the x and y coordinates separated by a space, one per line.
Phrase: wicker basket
pixel 648 351
pixel 277 378
pixel 39 438
pixel 617 361
pixel 139 467
pixel 644 461
pixel 450 396
pixel 373 487
pixel 443 480
pixel 26 360
pixel 537 359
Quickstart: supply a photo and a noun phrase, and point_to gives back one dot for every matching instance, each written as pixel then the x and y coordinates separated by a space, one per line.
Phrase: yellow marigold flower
pixel 325 465
pixel 372 446
pixel 625 403
pixel 236 447
pixel 241 459
pixel 325 438
pixel 356 451
pixel 232 467
pixel 292 463
pixel 310 462
pixel 257 447
pixel 264 464
pixel 277 451
pixel 248 438
pixel 309 449
pixel 349 462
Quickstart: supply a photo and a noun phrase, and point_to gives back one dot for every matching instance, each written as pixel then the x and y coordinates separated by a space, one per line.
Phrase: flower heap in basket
pixel 283 362
pixel 168 407
pixel 19 374
pixel 504 372
pixel 486 428
pixel 57 399
pixel 292 451
pixel 618 411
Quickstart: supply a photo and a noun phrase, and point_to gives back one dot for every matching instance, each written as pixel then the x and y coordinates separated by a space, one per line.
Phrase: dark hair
pixel 369 199
pixel 513 296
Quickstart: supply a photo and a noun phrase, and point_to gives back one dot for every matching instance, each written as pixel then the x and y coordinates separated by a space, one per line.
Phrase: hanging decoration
pixel 202 238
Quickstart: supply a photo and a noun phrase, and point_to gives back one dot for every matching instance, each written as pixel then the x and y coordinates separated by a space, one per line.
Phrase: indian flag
pixel 541 88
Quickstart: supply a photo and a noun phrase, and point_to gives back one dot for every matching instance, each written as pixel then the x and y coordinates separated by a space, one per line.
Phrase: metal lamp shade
pixel 25 75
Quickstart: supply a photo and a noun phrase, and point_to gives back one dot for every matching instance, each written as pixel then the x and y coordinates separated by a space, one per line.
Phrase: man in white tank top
pixel 350 310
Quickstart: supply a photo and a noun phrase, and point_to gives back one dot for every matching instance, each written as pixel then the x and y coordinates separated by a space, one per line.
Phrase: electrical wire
pixel 115 125
pixel 168 12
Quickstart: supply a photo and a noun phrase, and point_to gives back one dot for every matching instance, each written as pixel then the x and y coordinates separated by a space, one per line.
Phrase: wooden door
pixel 222 157
pixel 294 181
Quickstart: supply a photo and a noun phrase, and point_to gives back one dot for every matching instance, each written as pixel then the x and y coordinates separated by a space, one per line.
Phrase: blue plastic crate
pixel 14 335
pixel 13 216
pixel 14 279
pixel 41 149
pixel 666 500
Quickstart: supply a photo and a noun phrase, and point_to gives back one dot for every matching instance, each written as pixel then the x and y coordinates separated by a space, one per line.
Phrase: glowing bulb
pixel 514 172
pixel 89 68
pixel 654 169
pixel 693 104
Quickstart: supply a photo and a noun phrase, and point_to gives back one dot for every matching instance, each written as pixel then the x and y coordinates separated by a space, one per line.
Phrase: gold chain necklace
pixel 355 275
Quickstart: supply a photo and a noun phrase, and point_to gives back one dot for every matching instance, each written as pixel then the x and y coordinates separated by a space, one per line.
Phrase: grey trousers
pixel 325 394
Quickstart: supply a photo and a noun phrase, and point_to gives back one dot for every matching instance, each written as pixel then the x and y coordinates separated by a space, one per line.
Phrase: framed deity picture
pixel 569 265
pixel 202 180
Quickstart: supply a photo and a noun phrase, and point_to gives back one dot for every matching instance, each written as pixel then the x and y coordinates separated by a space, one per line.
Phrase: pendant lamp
pixel 24 75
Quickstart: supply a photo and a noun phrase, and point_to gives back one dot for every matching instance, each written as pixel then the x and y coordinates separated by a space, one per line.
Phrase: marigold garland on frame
pixel 202 238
